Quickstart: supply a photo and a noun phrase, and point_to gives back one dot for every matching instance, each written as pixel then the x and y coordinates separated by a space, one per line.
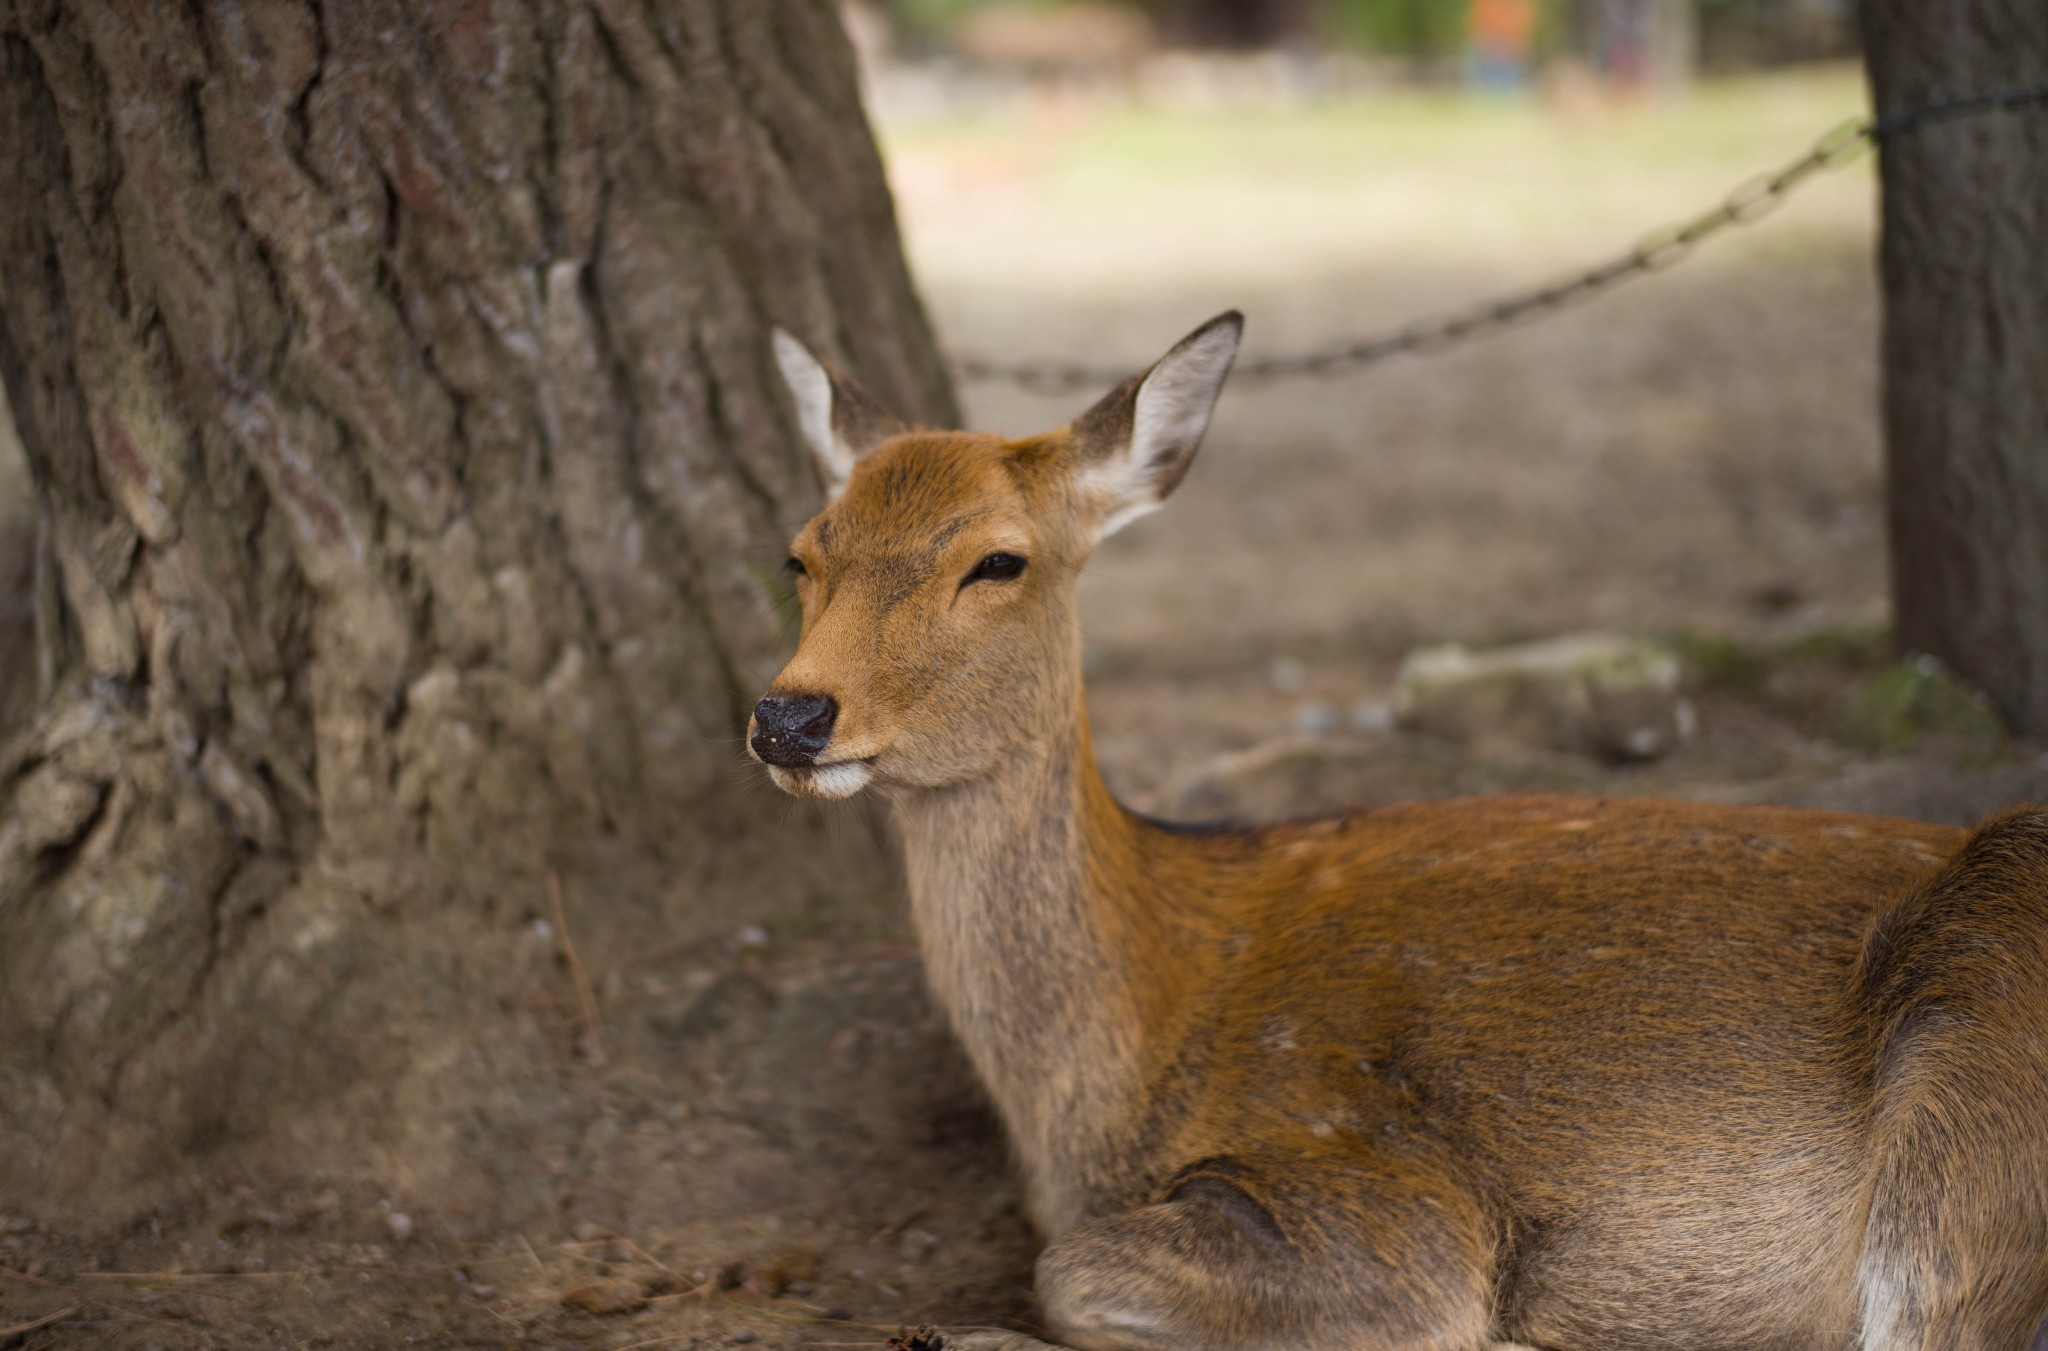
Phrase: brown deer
pixel 1543 1071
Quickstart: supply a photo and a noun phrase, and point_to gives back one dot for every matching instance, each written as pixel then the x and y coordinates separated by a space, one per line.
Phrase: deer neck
pixel 1046 951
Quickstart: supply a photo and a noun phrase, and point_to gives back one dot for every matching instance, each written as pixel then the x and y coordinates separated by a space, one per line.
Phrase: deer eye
pixel 794 566
pixel 995 568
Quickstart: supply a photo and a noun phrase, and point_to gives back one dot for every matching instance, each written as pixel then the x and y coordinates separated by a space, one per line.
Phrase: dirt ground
pixel 785 1149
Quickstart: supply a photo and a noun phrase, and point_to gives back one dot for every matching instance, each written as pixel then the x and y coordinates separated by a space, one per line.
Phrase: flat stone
pixel 1605 695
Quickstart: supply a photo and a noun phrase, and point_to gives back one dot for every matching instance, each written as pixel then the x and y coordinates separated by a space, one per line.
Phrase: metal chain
pixel 1751 201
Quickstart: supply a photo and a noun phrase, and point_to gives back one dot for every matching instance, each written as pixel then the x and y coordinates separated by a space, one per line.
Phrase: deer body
pixel 1571 1072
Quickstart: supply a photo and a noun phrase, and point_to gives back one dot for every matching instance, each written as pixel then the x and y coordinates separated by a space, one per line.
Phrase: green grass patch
pixel 1849 685
pixel 1856 646
pixel 1717 661
pixel 1915 698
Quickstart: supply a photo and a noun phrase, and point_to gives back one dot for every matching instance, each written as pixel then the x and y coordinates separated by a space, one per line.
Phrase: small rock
pixel 790 1272
pixel 743 1336
pixel 751 936
pixel 400 1225
pixel 1778 595
pixel 1373 715
pixel 1315 719
pixel 1606 695
pixel 605 1298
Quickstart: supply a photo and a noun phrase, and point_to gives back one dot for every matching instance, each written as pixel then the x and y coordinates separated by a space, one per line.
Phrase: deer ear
pixel 839 421
pixel 1135 446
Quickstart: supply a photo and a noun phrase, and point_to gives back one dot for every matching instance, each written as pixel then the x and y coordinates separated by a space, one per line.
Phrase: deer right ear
pixel 840 423
pixel 1135 446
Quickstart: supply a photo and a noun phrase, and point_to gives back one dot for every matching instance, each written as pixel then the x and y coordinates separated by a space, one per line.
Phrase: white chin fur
pixel 841 780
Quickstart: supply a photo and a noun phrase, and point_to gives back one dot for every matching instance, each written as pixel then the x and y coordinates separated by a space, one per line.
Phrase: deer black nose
pixel 791 731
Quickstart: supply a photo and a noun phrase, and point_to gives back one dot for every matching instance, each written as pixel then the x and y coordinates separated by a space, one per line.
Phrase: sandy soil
pixel 789 1151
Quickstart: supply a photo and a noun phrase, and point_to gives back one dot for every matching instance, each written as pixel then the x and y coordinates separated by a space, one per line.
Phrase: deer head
pixel 937 585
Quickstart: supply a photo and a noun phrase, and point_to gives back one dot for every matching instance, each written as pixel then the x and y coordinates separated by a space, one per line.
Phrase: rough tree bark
pixel 394 380
pixel 1966 344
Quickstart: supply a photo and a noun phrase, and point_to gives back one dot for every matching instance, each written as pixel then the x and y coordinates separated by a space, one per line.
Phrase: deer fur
pixel 1567 1073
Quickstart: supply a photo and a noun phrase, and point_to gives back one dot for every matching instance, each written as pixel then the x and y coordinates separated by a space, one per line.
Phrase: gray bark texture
pixel 1966 344
pixel 412 475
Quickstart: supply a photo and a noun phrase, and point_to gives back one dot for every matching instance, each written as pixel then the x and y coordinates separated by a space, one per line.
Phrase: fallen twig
pixel 56 1317
pixel 781 1317
pixel 645 1255
pixel 194 1275
pixel 506 1319
pixel 586 998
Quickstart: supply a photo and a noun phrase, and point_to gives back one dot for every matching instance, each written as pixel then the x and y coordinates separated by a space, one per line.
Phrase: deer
pixel 1508 1072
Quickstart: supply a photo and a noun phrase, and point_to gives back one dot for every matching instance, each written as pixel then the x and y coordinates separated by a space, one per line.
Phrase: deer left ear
pixel 839 421
pixel 1136 445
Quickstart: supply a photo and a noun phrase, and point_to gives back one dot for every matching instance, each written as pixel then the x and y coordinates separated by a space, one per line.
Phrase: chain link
pixel 1751 200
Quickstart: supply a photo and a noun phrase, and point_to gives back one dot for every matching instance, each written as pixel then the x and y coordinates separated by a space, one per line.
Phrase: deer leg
pixel 1288 1258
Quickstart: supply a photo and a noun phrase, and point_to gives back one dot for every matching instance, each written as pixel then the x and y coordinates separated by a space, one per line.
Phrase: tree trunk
pixel 21 679
pixel 1966 344
pixel 394 381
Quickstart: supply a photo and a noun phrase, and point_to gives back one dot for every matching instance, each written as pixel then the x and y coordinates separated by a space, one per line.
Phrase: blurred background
pixel 1693 461
pixel 1687 469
